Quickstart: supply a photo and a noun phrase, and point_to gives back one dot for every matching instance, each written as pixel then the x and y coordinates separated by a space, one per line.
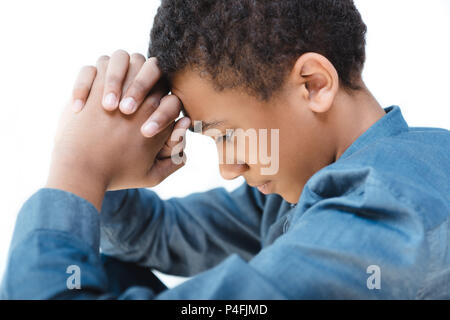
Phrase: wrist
pixel 79 179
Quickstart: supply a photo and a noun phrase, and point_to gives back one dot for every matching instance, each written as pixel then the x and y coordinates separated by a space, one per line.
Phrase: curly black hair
pixel 253 44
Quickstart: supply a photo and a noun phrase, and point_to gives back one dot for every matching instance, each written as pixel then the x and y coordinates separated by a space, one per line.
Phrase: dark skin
pixel 98 150
pixel 316 118
pixel 317 121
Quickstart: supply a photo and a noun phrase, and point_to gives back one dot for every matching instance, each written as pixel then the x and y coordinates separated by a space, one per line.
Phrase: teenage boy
pixel 357 205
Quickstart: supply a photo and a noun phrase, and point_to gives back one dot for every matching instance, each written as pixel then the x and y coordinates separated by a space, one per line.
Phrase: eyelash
pixel 227 137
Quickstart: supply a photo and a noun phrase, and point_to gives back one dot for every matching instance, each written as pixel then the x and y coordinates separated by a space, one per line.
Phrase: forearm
pixel 180 236
pixel 54 230
pixel 56 238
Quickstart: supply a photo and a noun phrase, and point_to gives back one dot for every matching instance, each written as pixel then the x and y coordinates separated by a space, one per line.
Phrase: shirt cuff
pixel 58 210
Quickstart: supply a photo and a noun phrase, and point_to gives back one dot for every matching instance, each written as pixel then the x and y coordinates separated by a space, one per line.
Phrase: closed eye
pixel 227 137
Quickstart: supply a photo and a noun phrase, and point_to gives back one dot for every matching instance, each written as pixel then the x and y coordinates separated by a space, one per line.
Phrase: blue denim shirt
pixel 374 224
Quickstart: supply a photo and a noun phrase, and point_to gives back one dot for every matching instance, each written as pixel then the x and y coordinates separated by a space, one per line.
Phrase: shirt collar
pixel 391 124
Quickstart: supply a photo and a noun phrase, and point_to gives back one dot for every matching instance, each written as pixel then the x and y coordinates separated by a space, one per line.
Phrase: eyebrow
pixel 205 125
pixel 210 125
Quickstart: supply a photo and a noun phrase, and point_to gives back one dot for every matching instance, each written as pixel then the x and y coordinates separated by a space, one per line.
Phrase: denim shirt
pixel 372 225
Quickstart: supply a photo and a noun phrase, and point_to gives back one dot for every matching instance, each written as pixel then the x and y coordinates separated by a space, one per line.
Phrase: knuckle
pixel 113 81
pixel 121 53
pixel 80 91
pixel 153 65
pixel 153 60
pixel 88 69
pixel 138 88
pixel 161 118
pixel 171 105
pixel 172 99
pixel 102 63
pixel 103 58
pixel 152 102
pixel 165 100
pixel 137 56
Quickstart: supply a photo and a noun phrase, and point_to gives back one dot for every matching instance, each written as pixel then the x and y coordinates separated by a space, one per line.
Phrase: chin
pixel 291 198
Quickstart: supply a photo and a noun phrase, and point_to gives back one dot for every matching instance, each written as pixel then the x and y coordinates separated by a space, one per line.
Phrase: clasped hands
pixel 119 131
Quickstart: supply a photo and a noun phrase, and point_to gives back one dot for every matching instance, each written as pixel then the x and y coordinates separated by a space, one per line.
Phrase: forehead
pixel 192 89
pixel 200 100
pixel 222 109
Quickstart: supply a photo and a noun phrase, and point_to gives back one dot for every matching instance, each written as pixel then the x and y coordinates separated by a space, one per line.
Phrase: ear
pixel 317 79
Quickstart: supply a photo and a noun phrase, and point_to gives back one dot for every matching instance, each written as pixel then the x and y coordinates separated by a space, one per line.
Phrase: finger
pixel 153 100
pixel 147 77
pixel 97 86
pixel 115 75
pixel 163 168
pixel 137 60
pixel 102 65
pixel 176 143
pixel 167 111
pixel 82 87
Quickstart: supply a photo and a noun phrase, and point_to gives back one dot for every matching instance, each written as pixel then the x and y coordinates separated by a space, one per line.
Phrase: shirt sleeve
pixel 182 235
pixel 326 253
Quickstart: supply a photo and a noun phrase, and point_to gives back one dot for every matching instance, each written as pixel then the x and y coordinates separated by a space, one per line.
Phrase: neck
pixel 353 115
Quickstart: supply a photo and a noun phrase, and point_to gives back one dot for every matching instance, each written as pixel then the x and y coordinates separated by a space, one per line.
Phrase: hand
pixel 139 86
pixel 97 150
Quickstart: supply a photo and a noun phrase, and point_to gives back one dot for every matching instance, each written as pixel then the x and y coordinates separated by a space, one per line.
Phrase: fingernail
pixel 128 105
pixel 150 129
pixel 110 100
pixel 77 105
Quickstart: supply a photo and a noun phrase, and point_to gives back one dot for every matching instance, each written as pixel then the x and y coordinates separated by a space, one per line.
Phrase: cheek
pixel 231 153
pixel 262 151
pixel 293 158
pixel 241 150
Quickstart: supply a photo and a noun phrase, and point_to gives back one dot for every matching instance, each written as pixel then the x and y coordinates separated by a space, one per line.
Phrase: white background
pixel 44 43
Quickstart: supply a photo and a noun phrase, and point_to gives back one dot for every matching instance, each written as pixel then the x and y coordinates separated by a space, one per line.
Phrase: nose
pixel 232 171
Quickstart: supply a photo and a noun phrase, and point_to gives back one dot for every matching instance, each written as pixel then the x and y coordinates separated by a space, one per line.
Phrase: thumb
pixel 162 168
